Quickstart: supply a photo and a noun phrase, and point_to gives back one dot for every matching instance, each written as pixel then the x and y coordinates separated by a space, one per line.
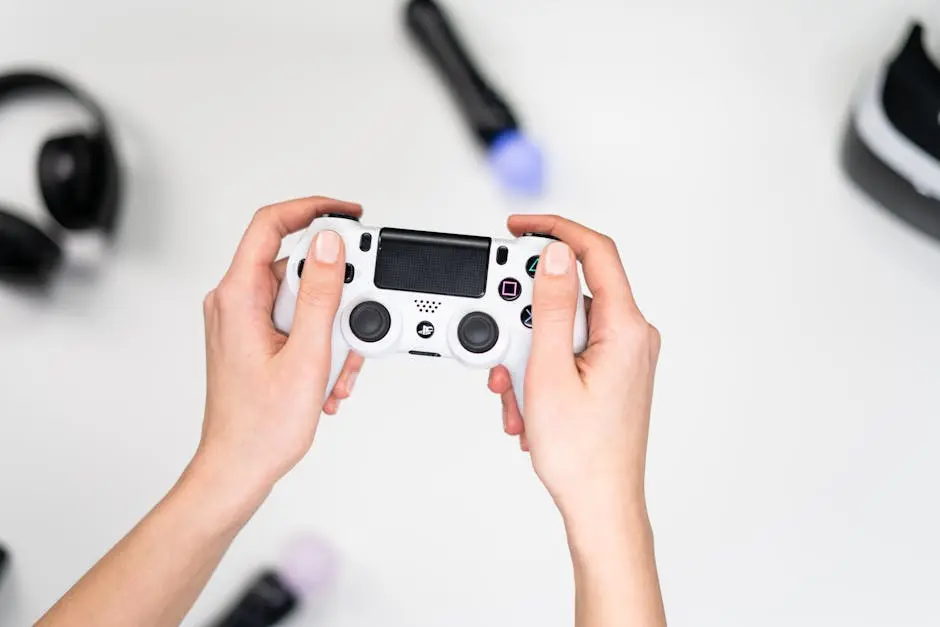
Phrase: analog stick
pixel 370 321
pixel 478 332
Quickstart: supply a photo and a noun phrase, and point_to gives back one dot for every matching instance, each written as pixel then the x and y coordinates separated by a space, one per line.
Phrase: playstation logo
pixel 425 330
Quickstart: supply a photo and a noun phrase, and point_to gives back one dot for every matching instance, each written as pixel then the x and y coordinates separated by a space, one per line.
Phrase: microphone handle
pixel 486 112
pixel 266 603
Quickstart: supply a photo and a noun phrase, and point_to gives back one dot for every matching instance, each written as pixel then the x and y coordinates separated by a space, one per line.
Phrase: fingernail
pixel 327 247
pixel 557 259
pixel 351 382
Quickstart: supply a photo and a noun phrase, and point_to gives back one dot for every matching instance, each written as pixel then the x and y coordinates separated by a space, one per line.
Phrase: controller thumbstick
pixel 478 332
pixel 370 321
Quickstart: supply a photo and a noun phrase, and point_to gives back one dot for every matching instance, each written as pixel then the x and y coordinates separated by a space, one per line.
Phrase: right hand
pixel 587 417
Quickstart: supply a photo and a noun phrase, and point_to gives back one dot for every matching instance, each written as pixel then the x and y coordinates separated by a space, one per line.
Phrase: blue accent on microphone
pixel 518 163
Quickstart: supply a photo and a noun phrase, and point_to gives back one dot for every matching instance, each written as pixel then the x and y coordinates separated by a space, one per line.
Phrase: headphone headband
pixel 28 82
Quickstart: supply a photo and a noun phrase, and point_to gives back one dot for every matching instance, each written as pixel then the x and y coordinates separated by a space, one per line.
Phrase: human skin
pixel 586 425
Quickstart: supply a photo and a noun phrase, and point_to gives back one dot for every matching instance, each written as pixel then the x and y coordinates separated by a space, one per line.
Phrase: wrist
pixel 610 545
pixel 601 523
pixel 227 498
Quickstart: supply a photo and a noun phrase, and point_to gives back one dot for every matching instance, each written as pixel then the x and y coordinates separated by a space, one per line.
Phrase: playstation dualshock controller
pixel 429 294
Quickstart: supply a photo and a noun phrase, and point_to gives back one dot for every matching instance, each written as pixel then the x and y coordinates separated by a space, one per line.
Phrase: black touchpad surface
pixel 432 263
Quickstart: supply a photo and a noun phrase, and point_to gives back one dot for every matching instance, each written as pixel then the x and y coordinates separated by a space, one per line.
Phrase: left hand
pixel 265 391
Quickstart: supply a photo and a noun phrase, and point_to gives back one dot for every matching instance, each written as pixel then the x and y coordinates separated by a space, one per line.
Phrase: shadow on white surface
pixel 10 608
pixel 142 230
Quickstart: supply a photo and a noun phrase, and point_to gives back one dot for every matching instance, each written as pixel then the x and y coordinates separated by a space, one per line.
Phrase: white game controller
pixel 429 294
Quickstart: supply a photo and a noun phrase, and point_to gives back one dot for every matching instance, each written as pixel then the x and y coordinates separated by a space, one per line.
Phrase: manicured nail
pixel 327 247
pixel 557 259
pixel 351 381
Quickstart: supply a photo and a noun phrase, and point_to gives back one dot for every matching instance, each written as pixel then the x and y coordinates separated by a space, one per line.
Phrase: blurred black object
pixel 891 145
pixel 4 559
pixel 266 602
pixel 302 574
pixel 486 111
pixel 514 158
pixel 79 176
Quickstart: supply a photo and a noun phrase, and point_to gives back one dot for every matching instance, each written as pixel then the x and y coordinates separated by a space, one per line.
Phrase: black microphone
pixel 277 593
pixel 267 601
pixel 516 161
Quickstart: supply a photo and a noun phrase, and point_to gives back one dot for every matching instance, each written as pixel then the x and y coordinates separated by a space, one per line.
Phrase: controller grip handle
pixel 284 308
pixel 431 28
pixel 517 361
pixel 339 352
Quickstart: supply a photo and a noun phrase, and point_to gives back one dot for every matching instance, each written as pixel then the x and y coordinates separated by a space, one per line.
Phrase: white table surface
pixel 793 460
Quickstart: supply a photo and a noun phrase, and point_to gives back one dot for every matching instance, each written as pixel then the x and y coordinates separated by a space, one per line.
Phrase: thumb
pixel 318 297
pixel 554 306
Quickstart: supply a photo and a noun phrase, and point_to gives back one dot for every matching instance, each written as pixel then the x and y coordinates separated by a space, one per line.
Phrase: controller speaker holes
pixel 427 306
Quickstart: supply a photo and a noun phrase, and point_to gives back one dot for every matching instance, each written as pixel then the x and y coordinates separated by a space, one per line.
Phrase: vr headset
pixel 891 148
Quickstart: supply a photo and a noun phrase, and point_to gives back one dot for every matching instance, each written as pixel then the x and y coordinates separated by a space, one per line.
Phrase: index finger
pixel 603 268
pixel 270 225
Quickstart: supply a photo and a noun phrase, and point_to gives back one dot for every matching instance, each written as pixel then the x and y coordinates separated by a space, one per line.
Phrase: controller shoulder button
pixel 545 235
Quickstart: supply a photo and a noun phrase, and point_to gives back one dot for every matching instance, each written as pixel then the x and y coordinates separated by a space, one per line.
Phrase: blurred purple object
pixel 518 163
pixel 308 566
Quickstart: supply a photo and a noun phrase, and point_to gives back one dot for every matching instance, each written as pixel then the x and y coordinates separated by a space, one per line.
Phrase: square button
pixel 510 289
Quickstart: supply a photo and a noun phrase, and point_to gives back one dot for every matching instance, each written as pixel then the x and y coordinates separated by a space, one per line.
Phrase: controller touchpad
pixel 432 263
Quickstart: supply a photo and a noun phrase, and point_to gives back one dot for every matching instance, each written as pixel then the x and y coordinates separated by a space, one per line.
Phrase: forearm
pixel 152 577
pixel 616 580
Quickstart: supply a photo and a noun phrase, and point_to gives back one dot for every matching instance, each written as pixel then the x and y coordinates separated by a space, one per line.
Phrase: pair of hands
pixel 587 416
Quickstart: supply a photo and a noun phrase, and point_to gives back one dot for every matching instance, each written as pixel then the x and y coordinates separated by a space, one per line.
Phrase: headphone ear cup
pixel 72 177
pixel 26 253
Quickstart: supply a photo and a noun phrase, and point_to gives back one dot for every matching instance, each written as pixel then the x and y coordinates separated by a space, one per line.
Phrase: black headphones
pixel 78 177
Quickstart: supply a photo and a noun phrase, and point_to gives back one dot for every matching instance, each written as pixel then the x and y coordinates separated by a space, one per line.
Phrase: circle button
pixel 478 332
pixel 370 321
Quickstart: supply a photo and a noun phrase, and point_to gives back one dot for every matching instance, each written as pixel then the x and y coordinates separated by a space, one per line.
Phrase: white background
pixel 793 460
